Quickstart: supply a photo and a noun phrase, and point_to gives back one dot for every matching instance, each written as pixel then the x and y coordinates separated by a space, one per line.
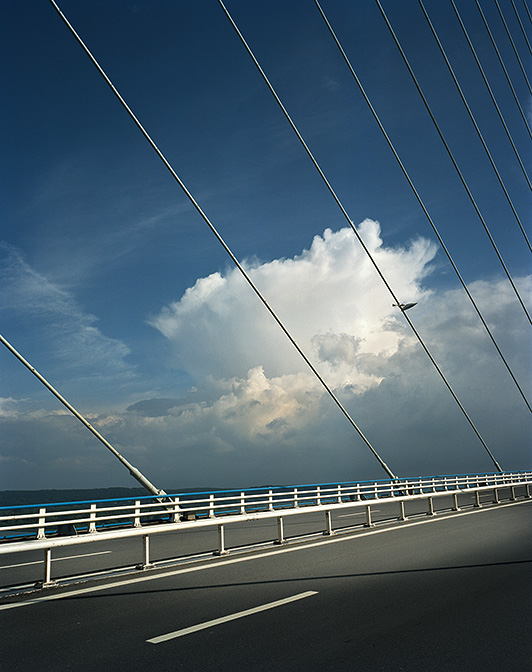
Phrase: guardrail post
pixel 211 506
pixel 146 564
pixel 402 515
pixel 318 495
pixel 296 505
pixel 496 496
pixel 280 531
pixel 512 493
pixel 527 491
pixel 368 522
pixel 92 519
pixel 430 502
pixel 328 522
pixel 47 580
pixel 136 522
pixel 242 502
pixel 270 500
pixel 42 520
pixel 221 541
pixel 455 502
pixel 477 500
pixel 339 496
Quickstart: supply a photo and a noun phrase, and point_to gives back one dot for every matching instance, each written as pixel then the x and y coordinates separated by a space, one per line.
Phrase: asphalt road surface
pixel 435 593
pixel 26 568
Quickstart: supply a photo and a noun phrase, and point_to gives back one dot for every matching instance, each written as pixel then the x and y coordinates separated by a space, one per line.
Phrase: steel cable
pixel 494 101
pixel 503 66
pixel 522 27
pixel 474 122
pixel 221 240
pixel 421 203
pixel 453 160
pixel 523 71
pixel 350 222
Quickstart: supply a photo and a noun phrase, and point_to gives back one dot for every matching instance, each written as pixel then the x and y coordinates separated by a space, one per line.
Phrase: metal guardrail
pixel 25 528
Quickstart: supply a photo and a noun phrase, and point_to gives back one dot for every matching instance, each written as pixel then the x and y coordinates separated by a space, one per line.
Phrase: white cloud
pixel 74 338
pixel 258 416
pixel 329 292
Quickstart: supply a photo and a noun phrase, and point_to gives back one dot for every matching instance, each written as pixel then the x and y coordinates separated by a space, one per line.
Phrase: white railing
pixel 24 528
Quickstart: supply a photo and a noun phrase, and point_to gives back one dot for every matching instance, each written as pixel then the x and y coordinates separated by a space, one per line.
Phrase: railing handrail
pixel 42 519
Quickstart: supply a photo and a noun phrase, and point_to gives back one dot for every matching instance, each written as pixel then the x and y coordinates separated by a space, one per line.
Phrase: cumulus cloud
pixel 329 297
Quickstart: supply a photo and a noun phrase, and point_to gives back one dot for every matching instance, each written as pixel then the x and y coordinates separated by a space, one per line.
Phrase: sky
pixel 116 291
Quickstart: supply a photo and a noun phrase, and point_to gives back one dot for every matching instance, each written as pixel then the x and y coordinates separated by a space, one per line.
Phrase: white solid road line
pixel 358 513
pixel 219 564
pixel 231 617
pixel 67 557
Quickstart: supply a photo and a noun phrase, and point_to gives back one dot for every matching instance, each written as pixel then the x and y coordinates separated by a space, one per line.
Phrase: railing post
pixel 270 500
pixel 92 519
pixel 402 515
pixel 318 495
pixel 455 502
pixel 512 493
pixel 339 495
pixel 221 541
pixel 496 496
pixel 527 491
pixel 328 523
pixel 242 502
pixel 368 522
pixel 477 500
pixel 211 506
pixel 41 534
pixel 295 499
pixel 280 531
pixel 176 516
pixel 136 522
pixel 430 502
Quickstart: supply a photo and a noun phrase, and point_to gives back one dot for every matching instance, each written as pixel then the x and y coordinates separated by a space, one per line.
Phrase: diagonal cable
pixel 473 120
pixel 514 47
pixel 506 74
pixel 350 222
pixel 221 240
pixel 522 27
pixel 527 11
pixel 494 101
pixel 453 160
pixel 421 203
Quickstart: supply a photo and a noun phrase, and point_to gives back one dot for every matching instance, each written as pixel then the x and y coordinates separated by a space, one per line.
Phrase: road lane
pixel 192 542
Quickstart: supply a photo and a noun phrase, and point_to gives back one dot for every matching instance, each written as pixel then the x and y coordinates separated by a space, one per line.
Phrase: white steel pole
pixel 132 470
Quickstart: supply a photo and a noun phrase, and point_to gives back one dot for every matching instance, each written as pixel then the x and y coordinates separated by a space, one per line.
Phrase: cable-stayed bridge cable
pixel 494 101
pixel 522 27
pixel 222 242
pixel 474 122
pixel 503 66
pixel 421 203
pixel 350 222
pixel 527 11
pixel 454 162
pixel 523 71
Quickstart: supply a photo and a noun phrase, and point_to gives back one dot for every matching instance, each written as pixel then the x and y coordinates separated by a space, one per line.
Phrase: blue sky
pixel 116 291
